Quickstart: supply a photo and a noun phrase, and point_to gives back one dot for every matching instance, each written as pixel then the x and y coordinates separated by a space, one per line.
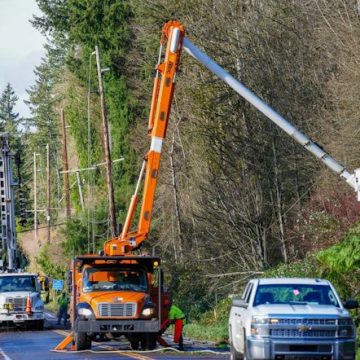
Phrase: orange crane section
pixel 164 85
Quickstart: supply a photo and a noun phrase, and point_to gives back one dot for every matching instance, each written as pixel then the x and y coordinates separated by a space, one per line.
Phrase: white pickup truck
pixel 291 318
pixel 20 300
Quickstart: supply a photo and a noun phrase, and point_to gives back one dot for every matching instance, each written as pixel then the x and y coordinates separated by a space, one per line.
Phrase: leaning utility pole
pixel 48 192
pixel 105 126
pixel 65 165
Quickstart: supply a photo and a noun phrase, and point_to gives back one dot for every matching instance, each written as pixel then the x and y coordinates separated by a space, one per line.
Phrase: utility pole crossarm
pixel 352 179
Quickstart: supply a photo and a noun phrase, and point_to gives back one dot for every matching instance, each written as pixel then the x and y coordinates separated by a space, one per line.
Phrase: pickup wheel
pixel 245 355
pixel 82 341
pixel 234 355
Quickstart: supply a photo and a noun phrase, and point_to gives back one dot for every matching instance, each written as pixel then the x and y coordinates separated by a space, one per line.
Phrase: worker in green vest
pixel 177 317
pixel 63 302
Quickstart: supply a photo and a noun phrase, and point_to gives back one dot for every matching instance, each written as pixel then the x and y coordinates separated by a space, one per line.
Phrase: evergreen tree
pixel 9 119
pixel 9 123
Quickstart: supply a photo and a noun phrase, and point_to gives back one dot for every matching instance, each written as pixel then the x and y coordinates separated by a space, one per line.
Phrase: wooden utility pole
pixel 65 165
pixel 105 126
pixel 48 192
pixel 35 199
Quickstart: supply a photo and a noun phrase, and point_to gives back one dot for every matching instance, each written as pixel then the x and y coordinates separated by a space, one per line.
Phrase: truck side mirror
pixel 351 304
pixel 240 303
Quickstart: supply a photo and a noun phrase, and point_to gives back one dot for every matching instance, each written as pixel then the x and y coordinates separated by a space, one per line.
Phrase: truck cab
pixel 114 296
pixel 20 300
pixel 282 318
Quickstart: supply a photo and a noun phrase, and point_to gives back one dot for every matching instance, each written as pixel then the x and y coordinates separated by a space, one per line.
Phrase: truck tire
pixel 135 344
pixel 234 355
pixel 245 355
pixel 82 341
pixel 39 325
pixel 148 342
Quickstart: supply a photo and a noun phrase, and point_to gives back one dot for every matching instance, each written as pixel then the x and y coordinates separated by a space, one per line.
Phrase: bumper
pixel 282 349
pixel 118 326
pixel 21 317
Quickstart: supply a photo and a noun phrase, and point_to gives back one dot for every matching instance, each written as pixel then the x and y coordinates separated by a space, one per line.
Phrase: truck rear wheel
pixel 82 341
pixel 148 342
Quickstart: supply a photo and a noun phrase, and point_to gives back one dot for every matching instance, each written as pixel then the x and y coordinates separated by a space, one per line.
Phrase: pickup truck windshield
pixel 295 294
pixel 17 283
pixel 107 279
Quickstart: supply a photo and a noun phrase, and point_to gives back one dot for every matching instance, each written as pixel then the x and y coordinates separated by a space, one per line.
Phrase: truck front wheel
pixel 135 344
pixel 234 355
pixel 82 341
pixel 245 355
pixel 39 324
pixel 148 342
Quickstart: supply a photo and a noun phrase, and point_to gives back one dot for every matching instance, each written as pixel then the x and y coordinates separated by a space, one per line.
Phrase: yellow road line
pixel 113 350
pixel 126 353
pixel 61 332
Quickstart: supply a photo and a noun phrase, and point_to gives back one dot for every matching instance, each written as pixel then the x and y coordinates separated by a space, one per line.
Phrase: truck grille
pixel 121 310
pixel 300 321
pixel 295 333
pixel 19 303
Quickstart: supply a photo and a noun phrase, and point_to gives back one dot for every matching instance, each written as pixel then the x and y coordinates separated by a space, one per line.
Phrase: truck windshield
pixel 295 294
pixel 17 283
pixel 107 279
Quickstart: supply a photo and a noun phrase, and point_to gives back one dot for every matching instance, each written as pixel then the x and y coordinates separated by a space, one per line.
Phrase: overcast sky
pixel 21 47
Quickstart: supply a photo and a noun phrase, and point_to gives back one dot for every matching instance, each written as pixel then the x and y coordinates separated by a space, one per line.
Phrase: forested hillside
pixel 237 197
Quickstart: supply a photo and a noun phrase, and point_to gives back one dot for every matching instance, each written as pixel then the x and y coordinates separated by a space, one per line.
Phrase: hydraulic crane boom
pixel 352 179
pixel 164 85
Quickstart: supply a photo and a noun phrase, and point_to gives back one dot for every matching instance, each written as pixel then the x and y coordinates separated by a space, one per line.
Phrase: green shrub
pixel 48 266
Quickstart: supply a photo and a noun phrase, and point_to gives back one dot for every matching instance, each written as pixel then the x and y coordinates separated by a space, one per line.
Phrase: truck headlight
pixel 84 310
pixel 259 319
pixel 8 306
pixel 260 325
pixel 345 332
pixel 148 311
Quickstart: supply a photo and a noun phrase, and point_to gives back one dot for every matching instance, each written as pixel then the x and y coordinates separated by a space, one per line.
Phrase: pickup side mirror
pixel 351 304
pixel 240 303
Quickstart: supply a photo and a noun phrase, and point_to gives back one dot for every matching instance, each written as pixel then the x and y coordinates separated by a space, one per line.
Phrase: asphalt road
pixel 21 344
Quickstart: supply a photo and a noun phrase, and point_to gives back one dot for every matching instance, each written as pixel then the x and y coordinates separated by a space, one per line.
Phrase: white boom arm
pixel 352 179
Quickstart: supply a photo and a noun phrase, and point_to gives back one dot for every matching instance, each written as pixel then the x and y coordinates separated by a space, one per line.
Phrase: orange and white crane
pixel 163 91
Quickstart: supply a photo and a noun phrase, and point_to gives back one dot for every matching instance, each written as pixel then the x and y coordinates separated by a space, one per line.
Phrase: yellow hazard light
pixel 8 306
pixel 274 321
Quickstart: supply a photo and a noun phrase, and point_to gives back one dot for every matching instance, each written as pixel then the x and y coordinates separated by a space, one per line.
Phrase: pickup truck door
pixel 237 313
